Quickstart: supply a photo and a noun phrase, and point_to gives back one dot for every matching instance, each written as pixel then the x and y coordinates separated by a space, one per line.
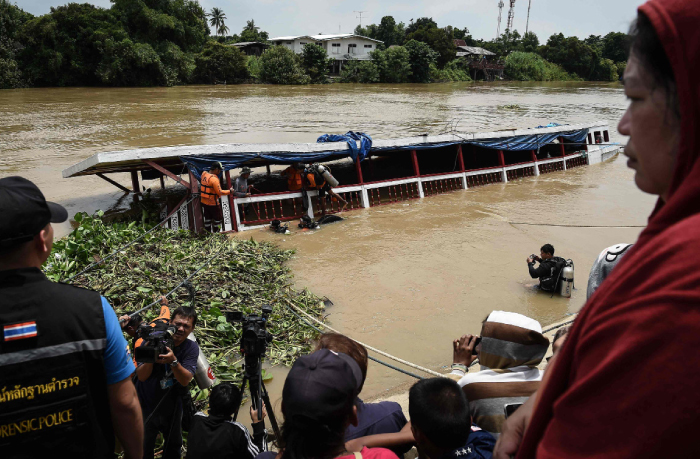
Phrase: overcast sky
pixel 304 17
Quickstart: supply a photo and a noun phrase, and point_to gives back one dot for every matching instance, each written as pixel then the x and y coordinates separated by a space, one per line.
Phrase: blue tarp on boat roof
pixel 198 164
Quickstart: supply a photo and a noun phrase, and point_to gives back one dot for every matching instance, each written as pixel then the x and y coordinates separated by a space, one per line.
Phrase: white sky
pixel 300 17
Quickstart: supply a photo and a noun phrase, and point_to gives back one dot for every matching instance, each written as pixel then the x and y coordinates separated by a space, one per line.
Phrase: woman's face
pixel 653 130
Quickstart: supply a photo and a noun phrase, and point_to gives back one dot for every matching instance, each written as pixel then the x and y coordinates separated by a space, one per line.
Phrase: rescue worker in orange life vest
pixel 211 191
pixel 293 174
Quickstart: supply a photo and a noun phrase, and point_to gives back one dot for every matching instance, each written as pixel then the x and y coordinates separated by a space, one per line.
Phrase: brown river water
pixel 404 278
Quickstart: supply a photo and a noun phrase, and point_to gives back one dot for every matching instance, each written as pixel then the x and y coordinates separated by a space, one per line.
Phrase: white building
pixel 340 47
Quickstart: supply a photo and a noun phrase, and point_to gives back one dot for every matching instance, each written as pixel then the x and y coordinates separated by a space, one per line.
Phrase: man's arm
pixel 126 417
pixel 144 371
pixel 536 272
pixel 404 437
pixel 217 188
pixel 181 374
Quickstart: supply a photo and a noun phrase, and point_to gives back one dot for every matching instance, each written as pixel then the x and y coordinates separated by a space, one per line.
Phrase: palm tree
pixel 217 20
pixel 222 30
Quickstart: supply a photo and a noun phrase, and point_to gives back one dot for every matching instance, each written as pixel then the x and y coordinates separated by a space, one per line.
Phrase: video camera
pixel 255 336
pixel 536 258
pixel 156 336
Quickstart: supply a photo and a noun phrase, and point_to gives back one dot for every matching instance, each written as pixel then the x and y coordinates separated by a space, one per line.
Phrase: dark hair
pixel 341 343
pixel 561 332
pixel 187 313
pixel 440 411
pixel 302 437
pixel 225 399
pixel 646 46
pixel 547 248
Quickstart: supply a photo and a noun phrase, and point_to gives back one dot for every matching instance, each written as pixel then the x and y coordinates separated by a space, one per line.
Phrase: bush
pixel 532 67
pixel 359 72
pixel 455 70
pixel 621 66
pixel 393 64
pixel 279 65
pixel 316 63
pixel 421 58
pixel 254 67
pixel 606 70
pixel 220 63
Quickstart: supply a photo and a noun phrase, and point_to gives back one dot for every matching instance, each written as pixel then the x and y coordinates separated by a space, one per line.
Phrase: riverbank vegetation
pixel 165 43
pixel 244 276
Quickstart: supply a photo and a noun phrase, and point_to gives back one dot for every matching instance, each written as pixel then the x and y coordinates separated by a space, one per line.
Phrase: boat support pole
pixel 118 185
pixel 460 158
pixel 416 172
pixel 365 196
pixel 164 171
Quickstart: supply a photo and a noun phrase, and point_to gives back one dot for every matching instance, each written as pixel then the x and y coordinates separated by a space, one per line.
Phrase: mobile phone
pixel 510 408
pixel 477 342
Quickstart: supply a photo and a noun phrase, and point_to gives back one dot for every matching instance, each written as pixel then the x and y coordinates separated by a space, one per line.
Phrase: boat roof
pixel 170 157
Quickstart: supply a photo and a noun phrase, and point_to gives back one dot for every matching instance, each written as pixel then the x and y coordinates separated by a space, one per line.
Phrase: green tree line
pixel 168 42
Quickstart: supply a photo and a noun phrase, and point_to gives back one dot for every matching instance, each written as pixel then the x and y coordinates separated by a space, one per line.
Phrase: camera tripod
pixel 258 392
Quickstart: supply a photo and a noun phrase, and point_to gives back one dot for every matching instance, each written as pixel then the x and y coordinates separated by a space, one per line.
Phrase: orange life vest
pixel 293 179
pixel 209 185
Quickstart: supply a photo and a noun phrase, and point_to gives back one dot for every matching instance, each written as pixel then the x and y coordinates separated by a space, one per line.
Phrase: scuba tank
pixel 326 173
pixel 567 279
pixel 203 375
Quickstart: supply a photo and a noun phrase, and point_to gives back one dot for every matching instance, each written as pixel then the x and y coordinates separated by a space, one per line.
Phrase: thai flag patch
pixel 20 331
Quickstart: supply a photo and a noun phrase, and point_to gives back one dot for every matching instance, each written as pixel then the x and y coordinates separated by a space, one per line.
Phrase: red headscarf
pixel 627 382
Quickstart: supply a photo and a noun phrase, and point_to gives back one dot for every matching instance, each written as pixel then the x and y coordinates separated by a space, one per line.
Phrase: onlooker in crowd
pixel 603 265
pixel 547 271
pixel 318 405
pixel 211 192
pixel 63 352
pixel 372 418
pixel 440 425
pixel 217 436
pixel 162 385
pixel 628 358
pixel 511 347
pixel 441 422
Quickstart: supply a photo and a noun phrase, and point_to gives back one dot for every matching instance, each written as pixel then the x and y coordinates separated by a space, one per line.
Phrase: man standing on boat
pixel 211 192
pixel 547 271
pixel 62 352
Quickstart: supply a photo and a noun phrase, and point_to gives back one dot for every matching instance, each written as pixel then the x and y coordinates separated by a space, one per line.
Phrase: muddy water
pixel 404 278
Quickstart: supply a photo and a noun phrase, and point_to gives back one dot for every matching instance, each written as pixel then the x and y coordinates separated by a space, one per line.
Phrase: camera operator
pixel 161 386
pixel 218 436
pixel 547 271
pixel 62 353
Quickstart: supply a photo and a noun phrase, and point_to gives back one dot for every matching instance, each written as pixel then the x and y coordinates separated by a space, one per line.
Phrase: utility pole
pixel 500 10
pixel 360 16
pixel 511 15
pixel 527 24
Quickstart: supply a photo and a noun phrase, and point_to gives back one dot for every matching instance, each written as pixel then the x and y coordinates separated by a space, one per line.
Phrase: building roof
pixel 459 42
pixel 472 50
pixel 248 43
pixel 324 37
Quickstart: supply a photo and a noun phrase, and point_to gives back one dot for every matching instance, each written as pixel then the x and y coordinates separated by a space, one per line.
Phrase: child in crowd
pixel 218 436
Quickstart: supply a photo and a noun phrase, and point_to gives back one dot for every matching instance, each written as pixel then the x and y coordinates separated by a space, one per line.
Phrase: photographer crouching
pixel 163 381
pixel 548 270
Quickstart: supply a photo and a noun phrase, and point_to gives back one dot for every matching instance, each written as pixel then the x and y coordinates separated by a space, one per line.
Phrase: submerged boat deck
pixel 417 167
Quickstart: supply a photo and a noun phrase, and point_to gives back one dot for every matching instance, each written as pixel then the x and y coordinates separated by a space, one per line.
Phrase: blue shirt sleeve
pixel 118 364
pixel 188 356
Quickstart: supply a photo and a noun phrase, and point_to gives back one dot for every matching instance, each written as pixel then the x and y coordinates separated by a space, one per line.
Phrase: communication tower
pixel 500 10
pixel 511 15
pixel 527 24
pixel 359 16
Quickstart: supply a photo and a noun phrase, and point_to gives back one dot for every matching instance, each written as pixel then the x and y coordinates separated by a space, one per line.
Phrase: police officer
pixel 64 363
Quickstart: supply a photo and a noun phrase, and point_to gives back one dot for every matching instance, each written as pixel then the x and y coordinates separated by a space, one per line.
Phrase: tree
pixel 217 18
pixel 614 46
pixel 460 34
pixel 280 65
pixel 530 42
pixel 220 63
pixel 359 72
pixel 394 64
pixel 572 54
pixel 251 32
pixel 316 63
pixel 421 57
pixel 421 23
pixel 12 18
pixel 606 70
pixel 390 32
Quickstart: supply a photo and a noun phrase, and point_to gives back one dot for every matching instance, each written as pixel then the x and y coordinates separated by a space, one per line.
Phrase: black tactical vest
pixel 53 388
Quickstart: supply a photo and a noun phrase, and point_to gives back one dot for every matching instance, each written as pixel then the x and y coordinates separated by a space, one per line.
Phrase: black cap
pixel 321 386
pixel 25 211
pixel 216 165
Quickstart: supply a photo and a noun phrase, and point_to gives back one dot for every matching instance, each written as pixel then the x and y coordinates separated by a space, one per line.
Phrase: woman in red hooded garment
pixel 626 384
